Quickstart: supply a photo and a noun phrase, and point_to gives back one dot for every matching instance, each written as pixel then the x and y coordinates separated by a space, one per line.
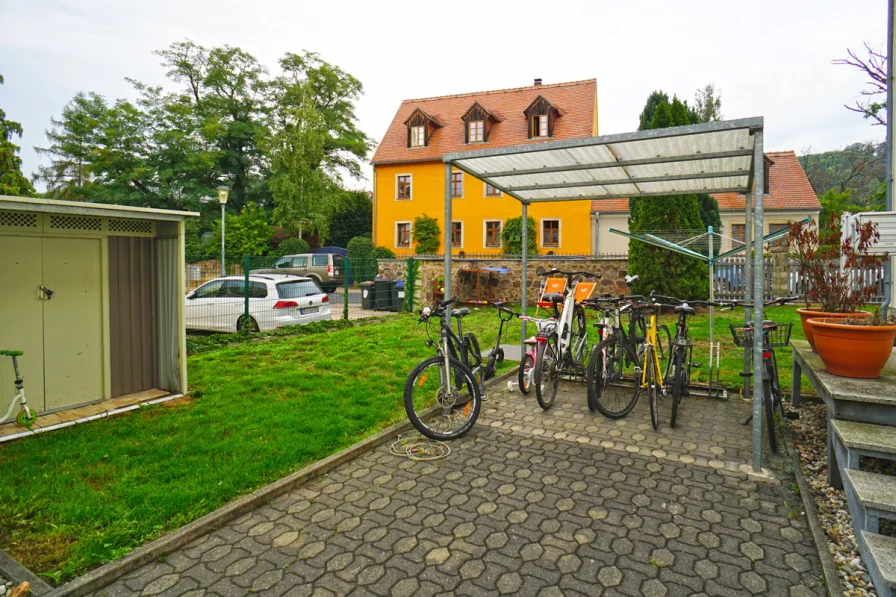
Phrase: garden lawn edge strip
pixel 17 573
pixel 831 577
pixel 112 571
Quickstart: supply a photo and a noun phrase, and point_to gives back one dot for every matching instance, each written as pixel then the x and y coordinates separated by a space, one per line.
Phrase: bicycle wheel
pixel 472 359
pixel 578 333
pixel 547 371
pixel 664 349
pixel 768 403
pixel 650 375
pixel 442 404
pixel 605 367
pixel 525 378
pixel 777 394
pixel 678 380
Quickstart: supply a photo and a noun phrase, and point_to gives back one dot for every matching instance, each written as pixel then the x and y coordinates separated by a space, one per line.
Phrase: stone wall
pixel 506 286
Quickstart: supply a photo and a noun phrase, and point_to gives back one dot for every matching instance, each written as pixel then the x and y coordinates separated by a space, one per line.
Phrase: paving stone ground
pixel 563 502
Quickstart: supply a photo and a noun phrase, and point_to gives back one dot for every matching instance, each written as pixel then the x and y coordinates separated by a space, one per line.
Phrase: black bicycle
pixel 496 356
pixel 443 394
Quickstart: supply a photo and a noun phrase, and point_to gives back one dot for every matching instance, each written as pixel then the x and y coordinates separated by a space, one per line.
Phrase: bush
pixel 383 253
pixel 426 235
pixel 512 236
pixel 361 259
pixel 293 246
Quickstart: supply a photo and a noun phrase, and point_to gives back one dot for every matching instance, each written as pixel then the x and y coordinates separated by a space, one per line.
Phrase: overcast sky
pixel 769 58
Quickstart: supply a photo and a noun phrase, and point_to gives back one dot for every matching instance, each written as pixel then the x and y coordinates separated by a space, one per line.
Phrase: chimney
pixel 537 82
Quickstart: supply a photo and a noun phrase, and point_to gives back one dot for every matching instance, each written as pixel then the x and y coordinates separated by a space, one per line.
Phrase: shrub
pixel 361 259
pixel 293 246
pixel 383 253
pixel 426 235
pixel 512 236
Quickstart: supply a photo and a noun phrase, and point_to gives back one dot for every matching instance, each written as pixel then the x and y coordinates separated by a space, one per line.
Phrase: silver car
pixel 275 301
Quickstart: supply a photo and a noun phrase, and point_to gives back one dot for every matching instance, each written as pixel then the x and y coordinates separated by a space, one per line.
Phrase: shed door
pixel 73 326
pixel 21 317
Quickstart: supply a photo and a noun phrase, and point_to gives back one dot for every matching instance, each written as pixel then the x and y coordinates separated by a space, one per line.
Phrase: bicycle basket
pixel 776 338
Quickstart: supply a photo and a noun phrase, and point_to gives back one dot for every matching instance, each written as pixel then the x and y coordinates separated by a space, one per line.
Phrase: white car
pixel 275 301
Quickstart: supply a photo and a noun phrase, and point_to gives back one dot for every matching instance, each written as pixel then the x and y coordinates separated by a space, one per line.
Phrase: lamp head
pixel 222 194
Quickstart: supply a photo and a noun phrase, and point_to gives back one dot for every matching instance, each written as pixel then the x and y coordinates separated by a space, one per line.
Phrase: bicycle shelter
pixel 713 157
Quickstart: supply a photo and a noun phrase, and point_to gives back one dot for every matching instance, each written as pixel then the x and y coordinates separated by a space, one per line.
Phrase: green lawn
pixel 73 499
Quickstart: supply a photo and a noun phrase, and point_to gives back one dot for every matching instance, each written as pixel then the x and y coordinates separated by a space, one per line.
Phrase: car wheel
pixel 253 325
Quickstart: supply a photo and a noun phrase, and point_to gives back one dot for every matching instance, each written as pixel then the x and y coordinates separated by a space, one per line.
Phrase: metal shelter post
pixel 758 295
pixel 748 281
pixel 447 242
pixel 891 157
pixel 525 273
pixel 712 297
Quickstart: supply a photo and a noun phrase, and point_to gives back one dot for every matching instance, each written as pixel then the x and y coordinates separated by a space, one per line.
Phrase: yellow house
pixel 409 176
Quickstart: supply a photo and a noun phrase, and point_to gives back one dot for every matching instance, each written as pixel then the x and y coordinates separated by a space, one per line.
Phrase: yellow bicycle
pixel 652 370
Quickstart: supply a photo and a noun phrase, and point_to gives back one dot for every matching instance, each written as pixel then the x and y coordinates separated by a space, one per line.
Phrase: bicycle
pixel 25 417
pixel 496 356
pixel 526 374
pixel 564 352
pixel 443 394
pixel 774 335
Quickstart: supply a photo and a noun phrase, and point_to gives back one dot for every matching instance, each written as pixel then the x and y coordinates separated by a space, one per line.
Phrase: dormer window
pixel 420 128
pixel 541 115
pixel 478 123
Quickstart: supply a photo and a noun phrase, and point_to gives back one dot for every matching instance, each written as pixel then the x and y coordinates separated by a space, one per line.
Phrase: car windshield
pixel 297 289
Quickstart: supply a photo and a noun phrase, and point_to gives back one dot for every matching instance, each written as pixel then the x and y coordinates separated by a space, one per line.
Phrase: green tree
pixel 352 216
pixel 426 235
pixel 708 103
pixel 246 233
pixel 361 259
pixel 512 236
pixel 12 181
pixel 659 269
pixel 293 246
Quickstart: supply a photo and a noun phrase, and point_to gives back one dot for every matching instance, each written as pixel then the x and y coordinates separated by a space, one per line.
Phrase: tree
pixel 708 103
pixel 659 269
pixel 873 104
pixel 512 236
pixel 426 235
pixel 860 168
pixel 246 233
pixel 293 246
pixel 654 100
pixel 12 181
pixel 362 263
pixel 352 216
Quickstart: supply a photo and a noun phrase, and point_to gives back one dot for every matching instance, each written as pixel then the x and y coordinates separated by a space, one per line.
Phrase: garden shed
pixel 94 296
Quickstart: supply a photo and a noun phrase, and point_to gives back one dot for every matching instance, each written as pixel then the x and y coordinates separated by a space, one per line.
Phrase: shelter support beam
pixel 525 274
pixel 758 296
pixel 891 139
pixel 447 241
pixel 748 282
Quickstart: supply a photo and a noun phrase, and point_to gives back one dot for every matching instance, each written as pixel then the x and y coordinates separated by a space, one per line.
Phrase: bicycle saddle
pixel 766 324
pixel 685 308
pixel 530 340
pixel 460 312
pixel 11 353
pixel 554 297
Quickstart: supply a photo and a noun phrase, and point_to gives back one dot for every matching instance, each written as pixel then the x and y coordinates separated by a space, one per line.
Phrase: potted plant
pixel 855 346
pixel 826 265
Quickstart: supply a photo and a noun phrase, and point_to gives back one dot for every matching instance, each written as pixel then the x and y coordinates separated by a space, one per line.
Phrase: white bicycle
pixel 26 416
pixel 562 342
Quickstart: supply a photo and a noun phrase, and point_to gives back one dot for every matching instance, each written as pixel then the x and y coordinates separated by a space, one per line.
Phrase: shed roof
pixel 711 157
pixel 91 209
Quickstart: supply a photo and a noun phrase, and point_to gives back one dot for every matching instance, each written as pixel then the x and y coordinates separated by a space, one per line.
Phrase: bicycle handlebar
pixel 780 301
pixel 553 271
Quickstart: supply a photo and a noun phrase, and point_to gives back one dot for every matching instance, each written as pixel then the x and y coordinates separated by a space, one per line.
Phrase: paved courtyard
pixel 529 503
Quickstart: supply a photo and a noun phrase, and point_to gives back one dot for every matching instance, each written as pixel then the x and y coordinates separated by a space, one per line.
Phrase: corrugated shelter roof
pixel 789 190
pixel 576 100
pixel 701 158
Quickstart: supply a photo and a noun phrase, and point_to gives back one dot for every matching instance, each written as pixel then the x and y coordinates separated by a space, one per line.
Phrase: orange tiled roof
pixel 790 190
pixel 576 100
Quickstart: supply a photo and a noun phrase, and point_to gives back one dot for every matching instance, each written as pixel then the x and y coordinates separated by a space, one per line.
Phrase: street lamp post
pixel 222 197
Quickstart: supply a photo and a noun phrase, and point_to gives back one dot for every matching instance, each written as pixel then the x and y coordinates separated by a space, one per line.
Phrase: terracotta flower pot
pixel 807 314
pixel 853 350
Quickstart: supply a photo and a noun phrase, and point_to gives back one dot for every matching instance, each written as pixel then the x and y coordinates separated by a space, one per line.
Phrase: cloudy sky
pixel 770 58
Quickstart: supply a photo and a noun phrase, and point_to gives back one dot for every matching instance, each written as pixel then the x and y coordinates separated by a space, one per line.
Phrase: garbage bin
pixel 397 296
pixel 383 291
pixel 368 295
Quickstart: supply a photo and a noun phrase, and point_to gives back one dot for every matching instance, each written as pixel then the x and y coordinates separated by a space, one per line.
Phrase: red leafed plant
pixel 819 253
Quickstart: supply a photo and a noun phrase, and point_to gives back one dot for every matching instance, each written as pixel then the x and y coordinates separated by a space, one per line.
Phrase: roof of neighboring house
pixel 575 100
pixel 787 181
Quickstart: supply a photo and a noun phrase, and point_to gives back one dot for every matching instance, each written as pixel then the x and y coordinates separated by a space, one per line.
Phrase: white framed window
pixel 550 233
pixel 403 235
pixel 457 234
pixel 418 136
pixel 491 191
pixel 403 187
pixel 476 132
pixel 491 234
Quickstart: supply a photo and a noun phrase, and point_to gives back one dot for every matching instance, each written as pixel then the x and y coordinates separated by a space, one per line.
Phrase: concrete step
pixel 879 555
pixel 872 440
pixel 874 490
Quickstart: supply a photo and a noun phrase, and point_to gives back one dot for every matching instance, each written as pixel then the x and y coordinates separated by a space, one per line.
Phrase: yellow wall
pixel 428 196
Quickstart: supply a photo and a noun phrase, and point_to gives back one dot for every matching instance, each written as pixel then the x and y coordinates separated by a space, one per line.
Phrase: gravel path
pixel 810 435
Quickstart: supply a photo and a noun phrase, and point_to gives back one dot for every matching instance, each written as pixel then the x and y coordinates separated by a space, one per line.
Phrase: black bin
pixel 383 291
pixel 397 296
pixel 368 295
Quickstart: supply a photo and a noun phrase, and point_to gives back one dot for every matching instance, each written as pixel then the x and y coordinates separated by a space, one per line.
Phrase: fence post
pixel 246 293
pixel 409 286
pixel 345 291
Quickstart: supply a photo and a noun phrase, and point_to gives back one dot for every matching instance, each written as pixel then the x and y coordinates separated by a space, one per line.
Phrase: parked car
pixel 275 301
pixel 327 269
